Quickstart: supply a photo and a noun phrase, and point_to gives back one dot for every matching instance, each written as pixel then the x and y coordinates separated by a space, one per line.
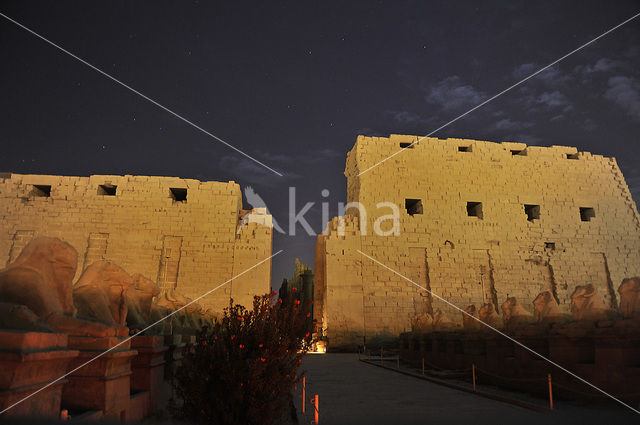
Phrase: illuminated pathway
pixel 352 392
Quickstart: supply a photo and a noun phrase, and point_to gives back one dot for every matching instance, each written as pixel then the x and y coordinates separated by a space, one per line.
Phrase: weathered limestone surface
pixel 31 360
pixel 139 223
pixel 38 286
pixel 550 219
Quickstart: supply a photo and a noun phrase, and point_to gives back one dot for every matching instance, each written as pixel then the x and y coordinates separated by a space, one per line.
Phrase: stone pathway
pixel 352 392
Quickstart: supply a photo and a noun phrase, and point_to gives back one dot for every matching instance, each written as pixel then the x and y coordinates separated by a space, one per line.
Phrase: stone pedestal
pixel 148 368
pixel 103 384
pixel 28 362
pixel 569 349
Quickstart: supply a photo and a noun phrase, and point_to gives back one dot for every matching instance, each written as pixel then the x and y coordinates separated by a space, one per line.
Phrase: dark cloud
pixel 625 92
pixel 404 117
pixel 554 100
pixel 507 124
pixel 451 94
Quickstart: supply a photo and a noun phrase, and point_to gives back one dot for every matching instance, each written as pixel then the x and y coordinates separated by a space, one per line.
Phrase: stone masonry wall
pixel 139 223
pixel 583 227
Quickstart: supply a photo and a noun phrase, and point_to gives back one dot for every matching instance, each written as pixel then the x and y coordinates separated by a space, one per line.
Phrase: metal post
pixel 398 361
pixel 381 361
pixel 317 405
pixel 550 393
pixel 423 366
pixel 304 391
pixel 473 371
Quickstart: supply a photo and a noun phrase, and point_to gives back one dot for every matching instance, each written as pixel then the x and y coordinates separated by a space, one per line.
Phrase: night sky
pixel 294 83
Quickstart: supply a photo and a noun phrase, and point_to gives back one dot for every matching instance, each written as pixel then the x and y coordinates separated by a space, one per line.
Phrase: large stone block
pixel 102 380
pixel 32 369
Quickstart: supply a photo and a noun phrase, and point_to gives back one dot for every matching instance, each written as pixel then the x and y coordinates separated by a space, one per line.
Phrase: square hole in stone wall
pixel 532 212
pixel 413 206
pixel 474 209
pixel 587 213
pixel 107 189
pixel 464 148
pixel 41 190
pixel 519 152
pixel 178 194
pixel 572 156
pixel 407 145
pixel 550 246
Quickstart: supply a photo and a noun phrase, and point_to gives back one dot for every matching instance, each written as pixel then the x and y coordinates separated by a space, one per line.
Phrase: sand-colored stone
pixel 422 322
pixel 514 314
pixel 629 291
pixel 547 311
pixel 101 295
pixel 442 322
pixel 140 301
pixel 468 321
pixel 586 304
pixel 29 361
pixel 487 314
pixel 532 235
pixel 192 246
pixel 40 279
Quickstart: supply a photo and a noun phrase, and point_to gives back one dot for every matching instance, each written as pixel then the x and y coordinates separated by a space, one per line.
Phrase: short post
pixel 473 372
pixel 381 360
pixel 398 361
pixel 423 366
pixel 317 405
pixel 304 391
pixel 550 393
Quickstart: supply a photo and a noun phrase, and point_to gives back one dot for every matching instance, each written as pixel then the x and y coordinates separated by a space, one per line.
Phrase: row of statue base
pixel 65 347
pixel 116 378
pixel 605 356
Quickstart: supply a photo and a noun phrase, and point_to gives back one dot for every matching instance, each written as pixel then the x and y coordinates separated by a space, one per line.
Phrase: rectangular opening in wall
pixel 550 246
pixel 413 206
pixel 474 209
pixel 519 152
pixel 107 189
pixel 407 145
pixel 587 213
pixel 572 156
pixel 464 148
pixel 178 194
pixel 41 190
pixel 532 212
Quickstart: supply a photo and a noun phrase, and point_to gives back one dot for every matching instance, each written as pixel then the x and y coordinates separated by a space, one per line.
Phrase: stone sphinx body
pixel 190 317
pixel 41 280
pixel 468 321
pixel 514 314
pixel 630 298
pixel 586 304
pixel 100 294
pixel 487 314
pixel 546 310
pixel 139 300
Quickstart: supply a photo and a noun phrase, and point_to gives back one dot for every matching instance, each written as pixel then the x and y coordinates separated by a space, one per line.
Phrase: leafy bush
pixel 244 368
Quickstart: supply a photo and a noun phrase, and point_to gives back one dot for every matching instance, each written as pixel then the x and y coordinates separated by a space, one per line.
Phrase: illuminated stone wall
pixel 180 233
pixel 479 221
